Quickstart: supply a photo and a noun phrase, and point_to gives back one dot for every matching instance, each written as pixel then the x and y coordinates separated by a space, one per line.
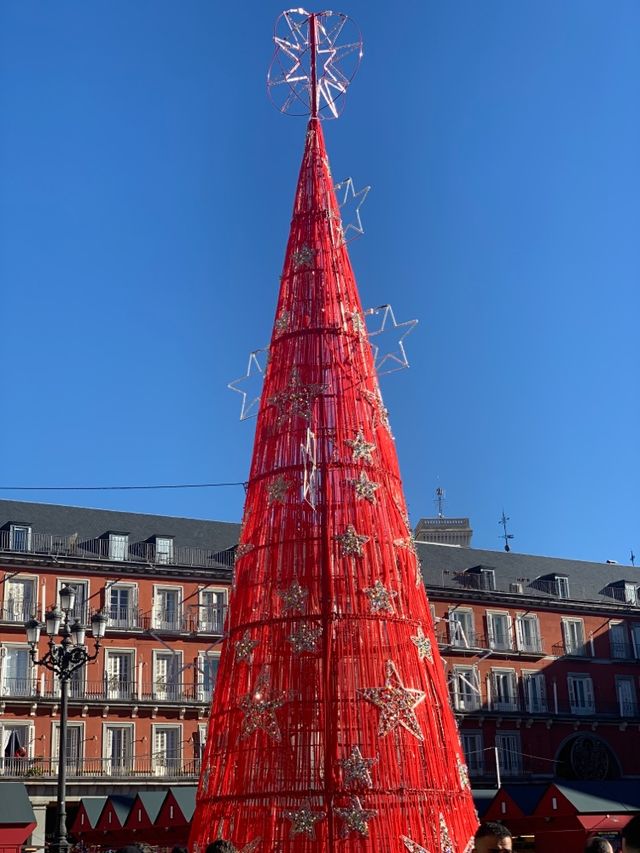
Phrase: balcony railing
pixel 467 703
pixel 571 650
pixel 111 690
pixel 121 766
pixel 451 641
pixel 51 544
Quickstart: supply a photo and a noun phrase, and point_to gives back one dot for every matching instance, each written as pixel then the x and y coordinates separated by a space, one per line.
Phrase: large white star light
pixel 386 337
pixel 251 383
pixel 350 203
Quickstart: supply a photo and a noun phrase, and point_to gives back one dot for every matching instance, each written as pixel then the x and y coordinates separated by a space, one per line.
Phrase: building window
pixel 473 752
pixel 166 750
pixel 499 625
pixel 167 609
pixel 164 549
pixel 618 640
pixel 20 599
pixel 461 632
pixel 81 604
pixel 121 603
pixel 503 690
pixel 74 747
pixel 17 672
pixel 509 753
pixel 16 748
pixel 20 537
pixel 119 670
pixel 528 633
pixel 573 635
pixel 626 693
pixel 635 639
pixel 213 604
pixel 199 743
pixel 465 688
pixel 208 663
pixel 535 692
pixel 581 694
pixel 630 593
pixel 166 669
pixel 118 546
pixel 118 749
pixel 562 586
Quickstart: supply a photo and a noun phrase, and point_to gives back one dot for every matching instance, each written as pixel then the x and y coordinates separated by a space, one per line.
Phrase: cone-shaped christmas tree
pixel 331 727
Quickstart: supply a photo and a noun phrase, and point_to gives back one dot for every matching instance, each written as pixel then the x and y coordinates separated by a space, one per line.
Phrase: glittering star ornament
pixel 355 818
pixel 396 703
pixel 303 821
pixel 296 400
pixel 245 647
pixel 446 845
pixel 380 412
pixel 277 490
pixel 357 770
pixel 365 488
pixel 351 542
pixel 357 323
pixel 243 549
pixel 463 772
pixel 380 598
pixel 282 323
pixel 305 638
pixel 411 846
pixel 303 257
pixel 423 644
pixel 361 448
pixel 294 598
pixel 260 708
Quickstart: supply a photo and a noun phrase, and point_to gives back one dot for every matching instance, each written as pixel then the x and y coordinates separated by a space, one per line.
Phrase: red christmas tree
pixel 331 727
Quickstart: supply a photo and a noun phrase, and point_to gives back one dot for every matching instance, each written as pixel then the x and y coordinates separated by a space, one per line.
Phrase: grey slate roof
pixel 587 581
pixel 15 806
pixel 94 523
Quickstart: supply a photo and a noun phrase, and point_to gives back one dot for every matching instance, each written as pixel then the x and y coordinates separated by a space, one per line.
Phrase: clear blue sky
pixel 146 186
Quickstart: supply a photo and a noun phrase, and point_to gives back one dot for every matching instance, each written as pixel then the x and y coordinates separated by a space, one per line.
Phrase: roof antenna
pixel 506 536
pixel 632 558
pixel 439 501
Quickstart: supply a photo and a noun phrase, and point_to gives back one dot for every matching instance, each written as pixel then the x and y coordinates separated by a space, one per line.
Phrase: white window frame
pixel 536 645
pixel 580 648
pixel 458 637
pixel 572 679
pixel 493 644
pixel 562 587
pixel 631 593
pixel 19 615
pixel 474 759
pixel 512 679
pixel 21 764
pixel 76 582
pixel 132 611
pixel 490 575
pixel 471 696
pixel 118 544
pixel 13 528
pixel 620 649
pixel 27 690
pixel 130 761
pixel 55 744
pixel 159 624
pixel 514 765
pixel 632 709
pixel 158 766
pixel 162 557
pixel 205 624
pixel 202 656
pixel 541 705
pixel 134 686
pixel 170 693
pixel 635 639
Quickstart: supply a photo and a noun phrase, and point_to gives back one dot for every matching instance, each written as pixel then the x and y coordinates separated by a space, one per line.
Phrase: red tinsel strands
pixel 331 727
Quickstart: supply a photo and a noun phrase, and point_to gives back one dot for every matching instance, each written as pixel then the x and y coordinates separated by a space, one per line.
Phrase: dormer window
pixel 630 593
pixel 562 586
pixel 118 546
pixel 164 549
pixel 480 577
pixel 20 537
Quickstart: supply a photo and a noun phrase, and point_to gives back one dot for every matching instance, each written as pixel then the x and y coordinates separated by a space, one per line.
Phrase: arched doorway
pixel 585 756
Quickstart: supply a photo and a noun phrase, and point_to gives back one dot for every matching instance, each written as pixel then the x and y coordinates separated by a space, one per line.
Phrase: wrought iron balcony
pixel 123 766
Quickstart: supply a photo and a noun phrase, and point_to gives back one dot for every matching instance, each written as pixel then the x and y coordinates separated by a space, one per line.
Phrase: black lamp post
pixel 63 660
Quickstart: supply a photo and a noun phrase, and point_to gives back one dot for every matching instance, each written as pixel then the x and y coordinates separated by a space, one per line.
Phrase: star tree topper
pixel 396 703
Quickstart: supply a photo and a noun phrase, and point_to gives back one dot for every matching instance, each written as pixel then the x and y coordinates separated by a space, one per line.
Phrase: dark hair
pixel 631 833
pixel 492 827
pixel 597 845
pixel 220 846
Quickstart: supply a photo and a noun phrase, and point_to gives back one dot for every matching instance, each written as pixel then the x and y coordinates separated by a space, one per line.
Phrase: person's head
pixel 631 836
pixel 598 845
pixel 492 837
pixel 220 846
pixel 179 849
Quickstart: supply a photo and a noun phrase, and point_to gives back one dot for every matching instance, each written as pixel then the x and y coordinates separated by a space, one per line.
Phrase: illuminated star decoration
pixel 351 542
pixel 446 845
pixel 252 382
pixel 282 322
pixel 423 644
pixel 380 598
pixel 302 821
pixel 245 647
pixel 277 490
pixel 260 708
pixel 395 358
pixel 346 192
pixel 380 413
pixel 463 772
pixel 365 488
pixel 361 448
pixel 296 399
pixel 358 326
pixel 309 469
pixel 396 703
pixel 411 846
pixel 355 818
pixel 303 257
pixel 294 598
pixel 305 638
pixel 357 770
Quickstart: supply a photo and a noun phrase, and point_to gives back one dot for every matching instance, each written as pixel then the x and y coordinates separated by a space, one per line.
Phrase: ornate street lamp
pixel 63 659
